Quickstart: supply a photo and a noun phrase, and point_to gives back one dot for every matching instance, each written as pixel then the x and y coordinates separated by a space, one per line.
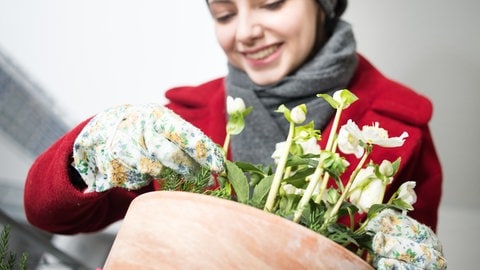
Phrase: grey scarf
pixel 329 70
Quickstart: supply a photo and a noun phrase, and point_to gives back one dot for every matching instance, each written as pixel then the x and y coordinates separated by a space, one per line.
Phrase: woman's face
pixel 268 39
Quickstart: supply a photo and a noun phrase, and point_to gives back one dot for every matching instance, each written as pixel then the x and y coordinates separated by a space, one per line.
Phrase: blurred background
pixel 62 61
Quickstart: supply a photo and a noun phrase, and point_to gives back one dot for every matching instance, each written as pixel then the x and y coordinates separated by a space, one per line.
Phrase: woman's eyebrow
pixel 218 1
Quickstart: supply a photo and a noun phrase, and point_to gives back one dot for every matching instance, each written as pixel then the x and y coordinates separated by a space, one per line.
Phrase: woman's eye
pixel 222 12
pixel 224 17
pixel 274 5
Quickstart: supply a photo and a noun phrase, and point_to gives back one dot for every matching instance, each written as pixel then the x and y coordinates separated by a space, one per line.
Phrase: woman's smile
pixel 262 57
pixel 261 53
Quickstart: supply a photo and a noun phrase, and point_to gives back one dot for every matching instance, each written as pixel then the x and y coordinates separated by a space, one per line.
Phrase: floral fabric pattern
pixel 401 242
pixel 128 146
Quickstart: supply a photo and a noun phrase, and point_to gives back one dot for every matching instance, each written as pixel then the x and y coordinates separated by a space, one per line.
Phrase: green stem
pixel 349 184
pixel 362 227
pixel 308 192
pixel 333 131
pixel 277 178
pixel 323 187
pixel 318 171
pixel 287 173
pixel 394 196
pixel 226 142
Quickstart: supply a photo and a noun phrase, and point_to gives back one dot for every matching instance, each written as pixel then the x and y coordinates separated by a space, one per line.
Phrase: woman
pixel 279 52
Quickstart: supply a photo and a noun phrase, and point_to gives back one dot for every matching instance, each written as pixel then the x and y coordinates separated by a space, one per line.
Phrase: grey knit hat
pixel 333 8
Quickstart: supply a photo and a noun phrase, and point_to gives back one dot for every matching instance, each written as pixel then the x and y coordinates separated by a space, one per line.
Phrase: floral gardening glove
pixel 128 146
pixel 401 242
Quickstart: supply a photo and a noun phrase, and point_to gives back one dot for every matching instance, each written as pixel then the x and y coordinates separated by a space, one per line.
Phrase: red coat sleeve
pixel 54 199
pixel 53 196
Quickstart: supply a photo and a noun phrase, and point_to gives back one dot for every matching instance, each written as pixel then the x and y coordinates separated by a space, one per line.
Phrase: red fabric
pixel 54 204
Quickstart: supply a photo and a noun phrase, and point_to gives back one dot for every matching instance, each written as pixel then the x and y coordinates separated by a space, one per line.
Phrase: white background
pixel 93 54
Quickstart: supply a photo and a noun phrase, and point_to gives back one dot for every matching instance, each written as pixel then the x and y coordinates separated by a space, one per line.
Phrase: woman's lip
pixel 264 56
pixel 261 53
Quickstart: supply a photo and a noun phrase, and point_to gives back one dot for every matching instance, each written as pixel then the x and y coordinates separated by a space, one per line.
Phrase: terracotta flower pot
pixel 179 230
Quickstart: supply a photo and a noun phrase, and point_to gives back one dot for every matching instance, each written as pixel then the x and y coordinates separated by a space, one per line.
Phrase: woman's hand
pixel 128 146
pixel 401 242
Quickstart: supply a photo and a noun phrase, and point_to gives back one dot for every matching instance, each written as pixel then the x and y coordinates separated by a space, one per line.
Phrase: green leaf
pixel 402 204
pixel 298 179
pixel 344 209
pixel 333 163
pixel 286 112
pixel 329 99
pixel 294 160
pixel 261 191
pixel 377 208
pixel 307 131
pixel 255 179
pixel 247 111
pixel 295 149
pixel 238 180
pixel 347 97
pixel 248 167
pixel 254 172
pixel 396 165
pixel 332 196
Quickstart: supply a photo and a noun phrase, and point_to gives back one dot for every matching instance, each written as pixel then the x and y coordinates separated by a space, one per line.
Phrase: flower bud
pixel 367 190
pixel 338 97
pixel 298 115
pixel 406 193
pixel 386 168
pixel 235 105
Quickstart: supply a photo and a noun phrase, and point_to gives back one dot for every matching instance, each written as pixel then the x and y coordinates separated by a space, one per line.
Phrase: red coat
pixel 54 204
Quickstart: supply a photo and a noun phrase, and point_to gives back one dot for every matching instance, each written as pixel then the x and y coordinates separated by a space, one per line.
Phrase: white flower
pixel 351 138
pixel 366 190
pixel 348 143
pixel 379 136
pixel 279 148
pixel 406 193
pixel 235 105
pixel 310 146
pixel 292 190
pixel 298 114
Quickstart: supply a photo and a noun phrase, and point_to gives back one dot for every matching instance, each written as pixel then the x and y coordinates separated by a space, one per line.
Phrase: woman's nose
pixel 248 29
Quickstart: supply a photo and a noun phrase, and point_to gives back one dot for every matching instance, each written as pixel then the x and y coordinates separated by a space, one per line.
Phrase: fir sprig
pixel 195 183
pixel 8 258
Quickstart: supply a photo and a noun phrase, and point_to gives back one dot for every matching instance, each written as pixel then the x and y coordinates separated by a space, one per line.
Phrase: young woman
pixel 279 52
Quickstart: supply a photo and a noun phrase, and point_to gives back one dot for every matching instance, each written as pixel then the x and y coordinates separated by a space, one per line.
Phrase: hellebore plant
pixel 306 185
pixel 236 123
